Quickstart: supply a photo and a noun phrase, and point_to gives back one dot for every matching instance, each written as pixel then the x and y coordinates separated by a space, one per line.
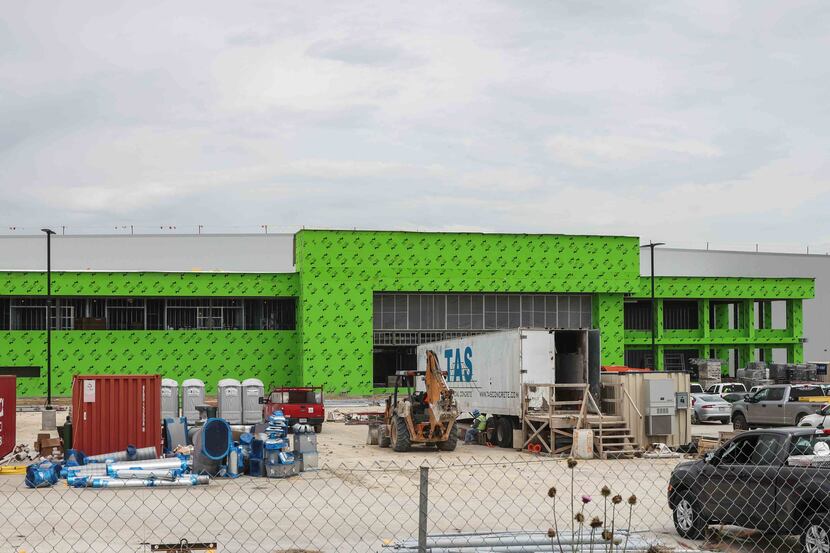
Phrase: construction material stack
pixel 708 371
pixel 756 373
pixel 279 462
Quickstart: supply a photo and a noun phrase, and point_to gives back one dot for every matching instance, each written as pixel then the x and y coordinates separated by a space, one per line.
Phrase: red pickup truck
pixel 303 405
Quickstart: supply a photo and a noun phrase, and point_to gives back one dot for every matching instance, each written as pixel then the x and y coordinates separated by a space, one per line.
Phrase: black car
pixel 762 479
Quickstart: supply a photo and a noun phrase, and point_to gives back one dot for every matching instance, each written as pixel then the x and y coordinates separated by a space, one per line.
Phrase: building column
pixel 795 329
pixel 608 311
pixel 722 323
pixel 766 323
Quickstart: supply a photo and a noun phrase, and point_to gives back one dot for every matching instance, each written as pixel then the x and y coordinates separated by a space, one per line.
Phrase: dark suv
pixel 775 480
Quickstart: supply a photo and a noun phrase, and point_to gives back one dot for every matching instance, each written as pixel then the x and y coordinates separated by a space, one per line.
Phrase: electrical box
pixel 660 398
pixel 681 400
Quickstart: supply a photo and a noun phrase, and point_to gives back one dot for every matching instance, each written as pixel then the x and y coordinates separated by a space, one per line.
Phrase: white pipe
pixel 140 454
pixel 181 482
pixel 169 475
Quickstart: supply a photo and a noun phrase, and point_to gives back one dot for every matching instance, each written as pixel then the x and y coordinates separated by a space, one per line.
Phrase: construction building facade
pixel 348 309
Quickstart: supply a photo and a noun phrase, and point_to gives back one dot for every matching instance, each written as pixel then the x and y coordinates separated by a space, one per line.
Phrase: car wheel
pixel 687 520
pixel 799 417
pixel 816 537
pixel 739 422
pixel 695 418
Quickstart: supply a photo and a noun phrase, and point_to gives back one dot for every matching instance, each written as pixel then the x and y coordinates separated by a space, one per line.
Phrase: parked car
pixel 778 405
pixel 710 407
pixel 820 418
pixel 755 389
pixel 695 388
pixel 726 388
pixel 303 405
pixel 749 482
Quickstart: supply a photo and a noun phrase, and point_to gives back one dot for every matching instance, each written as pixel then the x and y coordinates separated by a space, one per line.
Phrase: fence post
pixel 422 510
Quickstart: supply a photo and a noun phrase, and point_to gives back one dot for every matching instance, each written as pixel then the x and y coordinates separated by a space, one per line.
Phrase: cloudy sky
pixel 686 122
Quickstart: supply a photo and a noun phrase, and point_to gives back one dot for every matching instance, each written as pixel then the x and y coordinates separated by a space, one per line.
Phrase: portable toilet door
pixel 252 390
pixel 169 399
pixel 193 394
pixel 229 401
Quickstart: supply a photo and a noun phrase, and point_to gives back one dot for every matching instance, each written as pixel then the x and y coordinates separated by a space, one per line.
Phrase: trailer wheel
pixel 402 441
pixel 504 432
pixel 452 440
pixel 490 429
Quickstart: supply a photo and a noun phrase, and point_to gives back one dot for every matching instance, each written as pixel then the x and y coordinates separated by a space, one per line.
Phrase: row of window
pixel 24 313
pixel 480 311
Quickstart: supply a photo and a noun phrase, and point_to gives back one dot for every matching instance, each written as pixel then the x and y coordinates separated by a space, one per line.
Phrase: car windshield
pixel 808 445
pixel 697 389
pixel 734 388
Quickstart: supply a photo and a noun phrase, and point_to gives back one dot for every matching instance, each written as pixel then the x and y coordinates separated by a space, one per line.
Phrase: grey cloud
pixel 360 52
pixel 434 115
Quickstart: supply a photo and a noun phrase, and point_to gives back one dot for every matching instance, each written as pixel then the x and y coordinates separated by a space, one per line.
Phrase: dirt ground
pixel 362 498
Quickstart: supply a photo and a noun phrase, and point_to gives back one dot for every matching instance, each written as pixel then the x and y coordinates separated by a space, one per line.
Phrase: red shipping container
pixel 8 414
pixel 111 412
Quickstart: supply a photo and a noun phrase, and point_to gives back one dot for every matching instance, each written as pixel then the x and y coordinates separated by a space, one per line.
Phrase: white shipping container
pixel 487 371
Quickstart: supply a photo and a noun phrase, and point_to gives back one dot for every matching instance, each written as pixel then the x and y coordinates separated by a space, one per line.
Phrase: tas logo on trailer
pixel 459 368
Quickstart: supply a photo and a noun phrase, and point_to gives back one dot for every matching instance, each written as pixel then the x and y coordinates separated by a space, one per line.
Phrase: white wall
pixel 243 253
pixel 677 262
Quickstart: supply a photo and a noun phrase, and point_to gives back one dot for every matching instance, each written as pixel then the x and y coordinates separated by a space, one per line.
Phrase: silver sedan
pixel 710 407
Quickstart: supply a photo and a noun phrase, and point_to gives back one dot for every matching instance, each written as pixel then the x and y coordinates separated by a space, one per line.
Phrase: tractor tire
pixel 383 436
pixel 490 430
pixel 402 441
pixel 504 433
pixel 452 441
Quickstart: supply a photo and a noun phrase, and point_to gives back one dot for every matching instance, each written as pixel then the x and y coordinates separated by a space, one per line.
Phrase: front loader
pixel 427 417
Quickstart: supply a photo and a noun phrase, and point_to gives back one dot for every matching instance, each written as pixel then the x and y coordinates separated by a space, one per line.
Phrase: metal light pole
pixel 651 246
pixel 49 233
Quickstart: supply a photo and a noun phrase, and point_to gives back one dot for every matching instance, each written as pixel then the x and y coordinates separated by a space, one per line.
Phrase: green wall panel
pixel 340 271
pixel 726 288
pixel 271 356
pixel 150 284
pixel 608 317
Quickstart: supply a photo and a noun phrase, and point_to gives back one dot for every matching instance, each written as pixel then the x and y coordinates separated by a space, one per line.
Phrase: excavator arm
pixel 439 396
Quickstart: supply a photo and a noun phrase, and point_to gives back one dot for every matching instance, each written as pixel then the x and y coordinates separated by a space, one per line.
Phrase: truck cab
pixel 778 405
pixel 300 405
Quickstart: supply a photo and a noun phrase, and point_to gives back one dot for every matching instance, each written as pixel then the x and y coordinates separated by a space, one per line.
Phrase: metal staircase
pixel 612 437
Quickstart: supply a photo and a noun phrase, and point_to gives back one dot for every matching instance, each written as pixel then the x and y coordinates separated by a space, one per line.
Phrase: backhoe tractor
pixel 427 417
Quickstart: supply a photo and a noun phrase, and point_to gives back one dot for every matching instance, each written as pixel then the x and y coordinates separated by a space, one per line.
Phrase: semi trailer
pixel 488 371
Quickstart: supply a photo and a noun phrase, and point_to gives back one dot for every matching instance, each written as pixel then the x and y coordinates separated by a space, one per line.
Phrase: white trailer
pixel 487 371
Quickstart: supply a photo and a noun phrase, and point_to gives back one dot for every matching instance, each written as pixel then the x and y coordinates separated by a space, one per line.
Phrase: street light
pixel 49 233
pixel 651 246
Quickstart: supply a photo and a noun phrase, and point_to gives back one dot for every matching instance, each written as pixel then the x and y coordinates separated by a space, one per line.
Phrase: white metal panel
pixel 233 253
pixel 538 357
pixel 484 371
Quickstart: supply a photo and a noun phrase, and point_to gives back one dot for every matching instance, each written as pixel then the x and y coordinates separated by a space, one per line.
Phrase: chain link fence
pixel 493 504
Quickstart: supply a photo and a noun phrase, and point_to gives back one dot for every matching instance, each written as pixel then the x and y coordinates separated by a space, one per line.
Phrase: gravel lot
pixel 362 497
